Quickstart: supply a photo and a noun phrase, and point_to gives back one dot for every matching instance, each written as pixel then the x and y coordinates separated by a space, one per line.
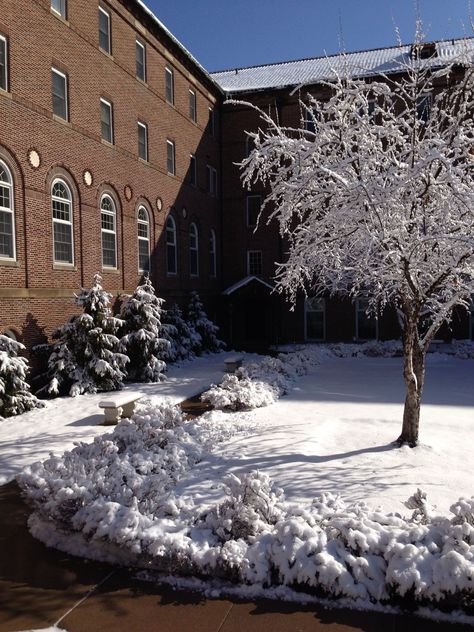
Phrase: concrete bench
pixel 119 405
pixel 232 363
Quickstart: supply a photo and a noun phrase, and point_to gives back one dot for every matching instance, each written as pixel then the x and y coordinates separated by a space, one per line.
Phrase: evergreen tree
pixel 87 357
pixel 15 396
pixel 204 328
pixel 181 336
pixel 143 343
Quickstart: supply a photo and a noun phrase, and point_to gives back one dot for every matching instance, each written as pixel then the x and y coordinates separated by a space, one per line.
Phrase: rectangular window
pixel 192 106
pixel 140 55
pixel 211 180
pixel 193 170
pixel 254 204
pixel 423 106
pixel 254 262
pixel 211 123
pixel 3 63
pixel 106 121
pixel 310 117
pixel 59 7
pixel 170 157
pixel 59 85
pixel 105 41
pixel 366 325
pixel 143 141
pixel 169 85
pixel 315 318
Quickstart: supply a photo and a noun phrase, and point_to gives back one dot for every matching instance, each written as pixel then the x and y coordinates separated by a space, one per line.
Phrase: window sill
pixel 106 143
pixel 143 82
pixel 107 270
pixel 143 161
pixel 65 266
pixel 59 17
pixel 5 93
pixel 171 274
pixel 59 119
pixel 106 53
pixel 12 263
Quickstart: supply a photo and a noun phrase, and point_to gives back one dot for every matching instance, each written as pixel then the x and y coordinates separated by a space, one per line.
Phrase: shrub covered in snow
pixel 206 330
pixel 143 343
pixel 15 396
pixel 181 337
pixel 86 358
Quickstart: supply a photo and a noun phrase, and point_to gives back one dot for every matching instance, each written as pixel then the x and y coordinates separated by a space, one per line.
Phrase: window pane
pixel 106 121
pixel 143 255
pixel 255 262
pixel 211 123
pixel 170 157
pixel 5 197
pixel 59 6
pixel 61 211
pixel 140 59
pixel 3 64
pixel 171 258
pixel 108 222
pixel 169 86
pixel 212 254
pixel 142 141
pixel 6 234
pixel 104 31
pixel 192 170
pixel 192 105
pixel 315 318
pixel 62 242
pixel 59 95
pixel 108 250
pixel 366 325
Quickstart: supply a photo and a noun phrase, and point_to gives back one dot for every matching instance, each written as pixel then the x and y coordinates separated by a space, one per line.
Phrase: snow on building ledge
pixel 242 283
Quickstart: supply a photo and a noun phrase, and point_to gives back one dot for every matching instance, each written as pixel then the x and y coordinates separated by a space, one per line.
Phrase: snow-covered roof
pixel 316 69
pixel 242 283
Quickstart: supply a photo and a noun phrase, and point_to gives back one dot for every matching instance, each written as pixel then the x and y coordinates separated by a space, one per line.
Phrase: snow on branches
pixel 15 396
pixel 206 339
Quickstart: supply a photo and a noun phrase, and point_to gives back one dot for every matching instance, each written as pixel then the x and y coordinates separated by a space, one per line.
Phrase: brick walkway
pixel 38 587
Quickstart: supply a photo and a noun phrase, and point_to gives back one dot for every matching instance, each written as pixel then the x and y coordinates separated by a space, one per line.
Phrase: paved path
pixel 40 587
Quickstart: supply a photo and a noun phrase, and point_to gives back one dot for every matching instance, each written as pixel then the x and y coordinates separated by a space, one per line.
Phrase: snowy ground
pixel 66 420
pixel 334 432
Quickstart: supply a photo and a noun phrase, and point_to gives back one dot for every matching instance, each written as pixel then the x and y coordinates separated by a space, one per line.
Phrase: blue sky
pixel 231 33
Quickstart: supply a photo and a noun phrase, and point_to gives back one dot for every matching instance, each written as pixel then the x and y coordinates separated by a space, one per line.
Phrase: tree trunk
pixel 414 374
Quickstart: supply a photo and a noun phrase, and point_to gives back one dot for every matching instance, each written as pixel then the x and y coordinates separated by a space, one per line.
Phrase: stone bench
pixel 121 404
pixel 232 363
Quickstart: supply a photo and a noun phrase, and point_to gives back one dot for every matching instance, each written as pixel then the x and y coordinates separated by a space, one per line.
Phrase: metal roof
pixel 360 64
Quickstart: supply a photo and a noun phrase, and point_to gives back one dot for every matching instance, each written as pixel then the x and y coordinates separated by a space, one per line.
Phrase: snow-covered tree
pixel 86 358
pixel 379 199
pixel 205 329
pixel 15 396
pixel 141 313
pixel 181 336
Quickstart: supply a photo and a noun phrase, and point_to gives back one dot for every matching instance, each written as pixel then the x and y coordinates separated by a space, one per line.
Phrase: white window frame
pixel 107 230
pixel 107 50
pixel 307 310
pixel 193 249
pixel 146 223
pixel 211 180
pixel 169 75
pixel 192 105
pixel 61 221
pixel 359 310
pixel 249 253
pixel 10 210
pixel 249 197
pixel 174 244
pixel 212 122
pixel 4 40
pixel 111 110
pixel 66 93
pixel 140 44
pixel 193 170
pixel 170 143
pixel 144 127
pixel 63 11
pixel 213 254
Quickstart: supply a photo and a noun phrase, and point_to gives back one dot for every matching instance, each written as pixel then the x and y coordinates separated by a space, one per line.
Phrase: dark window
pixel 212 122
pixel 169 85
pixel 3 63
pixel 104 31
pixel 106 121
pixel 423 107
pixel 192 170
pixel 109 242
pixel 170 157
pixel 141 60
pixel 143 141
pixel 211 180
pixel 254 204
pixel 7 220
pixel 254 262
pixel 59 7
pixel 212 254
pixel 143 240
pixel 249 145
pixel 193 250
pixel 59 85
pixel 192 106
pixel 315 318
pixel 171 249
pixel 366 325
pixel 61 201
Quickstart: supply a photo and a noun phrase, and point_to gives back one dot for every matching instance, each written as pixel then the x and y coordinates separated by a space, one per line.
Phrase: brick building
pixel 117 155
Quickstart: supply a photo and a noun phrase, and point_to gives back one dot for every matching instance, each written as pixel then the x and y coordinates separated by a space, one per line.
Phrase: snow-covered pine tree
pixel 205 328
pixel 181 337
pixel 15 396
pixel 143 343
pixel 86 358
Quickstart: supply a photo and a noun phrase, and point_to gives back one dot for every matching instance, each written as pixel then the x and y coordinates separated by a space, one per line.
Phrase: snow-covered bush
pixel 181 337
pixel 142 343
pixel 86 358
pixel 15 396
pixel 239 392
pixel 205 328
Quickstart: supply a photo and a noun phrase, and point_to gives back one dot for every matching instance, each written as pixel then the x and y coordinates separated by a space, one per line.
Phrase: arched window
pixel 212 254
pixel 171 249
pixel 61 200
pixel 143 240
pixel 108 221
pixel 7 217
pixel 193 250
